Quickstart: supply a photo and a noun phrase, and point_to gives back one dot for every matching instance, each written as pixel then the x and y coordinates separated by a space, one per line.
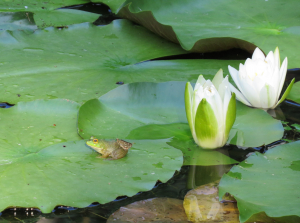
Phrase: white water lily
pixel 210 110
pixel 260 80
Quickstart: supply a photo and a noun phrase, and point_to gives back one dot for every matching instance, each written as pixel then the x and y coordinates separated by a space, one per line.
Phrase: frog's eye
pixel 95 140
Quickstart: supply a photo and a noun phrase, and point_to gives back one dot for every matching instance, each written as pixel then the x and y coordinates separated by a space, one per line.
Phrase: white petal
pixel 200 82
pixel 277 58
pixel 197 97
pixel 223 86
pixel 218 78
pixel 274 81
pixel 267 97
pixel 270 59
pixel 258 83
pixel 258 54
pixel 282 74
pixel 227 97
pixel 235 75
pixel 249 92
pixel 239 95
pixel 213 98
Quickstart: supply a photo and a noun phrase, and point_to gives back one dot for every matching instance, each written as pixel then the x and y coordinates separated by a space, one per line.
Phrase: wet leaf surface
pixel 206 26
pixel 57 66
pixel 266 185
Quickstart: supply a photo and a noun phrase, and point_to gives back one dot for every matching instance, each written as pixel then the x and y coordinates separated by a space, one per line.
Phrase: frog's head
pixel 95 144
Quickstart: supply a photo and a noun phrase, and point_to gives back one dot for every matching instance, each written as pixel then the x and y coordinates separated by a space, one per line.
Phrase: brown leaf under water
pixel 202 205
pixel 151 210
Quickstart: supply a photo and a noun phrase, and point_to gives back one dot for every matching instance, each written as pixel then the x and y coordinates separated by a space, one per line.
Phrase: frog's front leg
pixel 104 155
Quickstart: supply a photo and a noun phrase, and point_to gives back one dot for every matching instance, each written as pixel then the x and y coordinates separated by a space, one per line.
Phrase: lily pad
pixel 266 185
pixel 33 5
pixel 63 17
pixel 70 174
pixel 156 111
pixel 247 129
pixel 205 26
pixel 295 93
pixel 43 162
pixel 48 59
pixel 29 126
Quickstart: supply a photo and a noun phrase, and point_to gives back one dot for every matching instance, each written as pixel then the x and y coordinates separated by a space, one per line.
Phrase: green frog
pixel 115 149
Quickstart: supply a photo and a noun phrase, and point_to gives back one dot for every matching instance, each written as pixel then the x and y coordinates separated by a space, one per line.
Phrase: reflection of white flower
pixel 210 110
pixel 260 80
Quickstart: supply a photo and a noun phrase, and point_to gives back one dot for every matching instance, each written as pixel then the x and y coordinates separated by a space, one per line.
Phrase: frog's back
pixel 118 153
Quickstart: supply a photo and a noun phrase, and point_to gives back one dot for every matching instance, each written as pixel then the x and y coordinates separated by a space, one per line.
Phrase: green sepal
pixel 230 115
pixel 206 125
pixel 286 93
pixel 188 104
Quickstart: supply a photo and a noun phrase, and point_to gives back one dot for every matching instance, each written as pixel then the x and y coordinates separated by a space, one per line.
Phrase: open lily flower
pixel 260 80
pixel 210 110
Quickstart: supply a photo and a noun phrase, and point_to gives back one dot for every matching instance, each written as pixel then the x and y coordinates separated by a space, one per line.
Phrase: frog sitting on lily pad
pixel 115 149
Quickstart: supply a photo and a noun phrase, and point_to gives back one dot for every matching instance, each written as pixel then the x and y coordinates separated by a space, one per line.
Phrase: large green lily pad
pixel 254 127
pixel 41 166
pixel 205 26
pixel 29 126
pixel 106 55
pixel 70 174
pixel 79 62
pixel 49 13
pixel 266 185
pixel 156 110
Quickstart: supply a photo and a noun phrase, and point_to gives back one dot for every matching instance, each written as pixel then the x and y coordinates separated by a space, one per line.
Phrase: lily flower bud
pixel 210 110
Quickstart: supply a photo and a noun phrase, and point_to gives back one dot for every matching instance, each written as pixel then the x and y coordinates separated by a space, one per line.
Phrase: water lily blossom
pixel 210 110
pixel 260 80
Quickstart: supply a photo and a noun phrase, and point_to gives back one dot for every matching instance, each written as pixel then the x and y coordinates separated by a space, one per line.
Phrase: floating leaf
pixel 156 111
pixel 63 17
pixel 30 126
pixel 254 127
pixel 295 93
pixel 106 55
pixel 296 126
pixel 266 185
pixel 49 59
pixel 40 174
pixel 205 26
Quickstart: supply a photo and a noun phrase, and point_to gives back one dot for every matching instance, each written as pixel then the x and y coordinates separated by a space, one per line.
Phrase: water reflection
pixel 200 175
